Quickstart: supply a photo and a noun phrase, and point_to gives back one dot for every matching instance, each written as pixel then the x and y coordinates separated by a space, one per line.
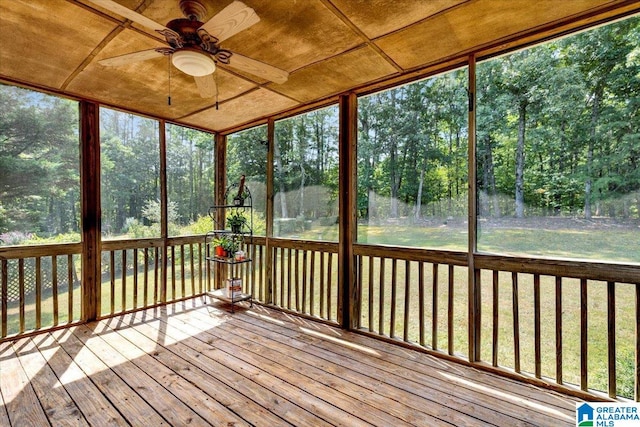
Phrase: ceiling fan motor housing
pixel 187 29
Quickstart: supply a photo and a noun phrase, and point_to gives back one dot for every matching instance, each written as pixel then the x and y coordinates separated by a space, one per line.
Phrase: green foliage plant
pixel 236 220
pixel 228 243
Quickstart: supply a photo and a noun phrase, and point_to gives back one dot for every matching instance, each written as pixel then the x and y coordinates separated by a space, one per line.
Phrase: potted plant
pixel 219 244
pixel 236 220
pixel 230 245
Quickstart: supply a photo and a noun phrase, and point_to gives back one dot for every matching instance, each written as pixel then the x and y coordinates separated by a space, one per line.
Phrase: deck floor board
pixel 193 363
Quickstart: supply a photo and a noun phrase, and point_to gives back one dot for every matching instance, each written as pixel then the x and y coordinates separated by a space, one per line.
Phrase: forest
pixel 557 138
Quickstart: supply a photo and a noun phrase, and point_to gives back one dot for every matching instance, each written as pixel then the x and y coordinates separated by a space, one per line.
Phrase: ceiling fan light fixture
pixel 193 63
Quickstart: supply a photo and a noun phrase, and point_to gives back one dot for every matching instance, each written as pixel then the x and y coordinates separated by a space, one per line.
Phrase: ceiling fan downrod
pixel 193 10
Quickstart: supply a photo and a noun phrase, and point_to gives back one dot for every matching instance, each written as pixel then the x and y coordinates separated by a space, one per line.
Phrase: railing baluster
pixel 407 298
pixel 304 280
pixel 260 274
pixel 421 318
pixel 496 318
pixel 286 292
pixel 70 275
pixel 450 302
pixel 289 280
pixel 4 301
pixel 516 322
pixel 124 280
pixel 135 278
pixel 275 265
pixel 54 288
pixel 200 284
pixel 183 284
pixel 297 279
pixel 394 275
pixel 192 266
pixel 145 285
pixel 583 335
pixel 112 273
pixel 611 337
pixel 156 273
pixel 173 274
pixel 38 292
pixel 21 292
pixel 371 261
pixel 381 281
pixel 536 326
pixel 559 356
pixel 434 306
pixel 358 265
pixel 312 290
pixel 273 294
pixel 251 268
pixel 329 286
pixel 322 285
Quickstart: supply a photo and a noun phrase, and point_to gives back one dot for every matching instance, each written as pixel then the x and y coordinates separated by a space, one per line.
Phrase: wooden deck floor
pixel 196 364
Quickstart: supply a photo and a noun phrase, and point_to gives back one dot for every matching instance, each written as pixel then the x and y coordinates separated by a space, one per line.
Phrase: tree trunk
pixel 595 114
pixel 522 118
pixel 302 182
pixel 418 208
pixel 490 180
pixel 283 199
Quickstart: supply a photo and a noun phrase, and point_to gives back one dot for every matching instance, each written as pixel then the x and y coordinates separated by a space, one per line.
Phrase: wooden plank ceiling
pixel 327 46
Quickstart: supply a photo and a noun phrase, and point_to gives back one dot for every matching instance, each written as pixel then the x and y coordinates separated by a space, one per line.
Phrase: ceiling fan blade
pixel 118 9
pixel 129 58
pixel 231 20
pixel 258 68
pixel 206 86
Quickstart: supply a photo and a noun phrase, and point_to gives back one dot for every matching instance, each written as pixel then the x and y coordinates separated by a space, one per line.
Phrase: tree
pixel 39 160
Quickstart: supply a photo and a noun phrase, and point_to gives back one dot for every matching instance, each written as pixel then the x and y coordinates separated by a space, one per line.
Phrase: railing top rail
pixel 183 240
pixel 34 251
pixel 605 271
pixel 114 245
pixel 310 245
pixel 412 254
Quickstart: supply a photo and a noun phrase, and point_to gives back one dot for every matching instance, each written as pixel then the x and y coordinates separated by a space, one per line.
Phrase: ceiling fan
pixel 194 47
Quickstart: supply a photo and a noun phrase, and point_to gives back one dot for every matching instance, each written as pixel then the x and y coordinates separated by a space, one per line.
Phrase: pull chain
pixel 169 97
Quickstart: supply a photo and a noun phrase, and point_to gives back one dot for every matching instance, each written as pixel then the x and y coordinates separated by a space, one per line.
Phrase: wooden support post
pixel 164 208
pixel 90 208
pixel 348 302
pixel 220 187
pixel 474 276
pixel 268 295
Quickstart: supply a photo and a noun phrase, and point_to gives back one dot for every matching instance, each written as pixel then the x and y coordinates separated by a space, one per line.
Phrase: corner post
pixel 90 206
pixel 348 302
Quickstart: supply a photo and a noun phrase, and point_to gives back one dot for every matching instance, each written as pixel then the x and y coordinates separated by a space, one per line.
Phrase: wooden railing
pixel 297 276
pixel 39 287
pixel 413 295
pixel 135 276
pixel 568 324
